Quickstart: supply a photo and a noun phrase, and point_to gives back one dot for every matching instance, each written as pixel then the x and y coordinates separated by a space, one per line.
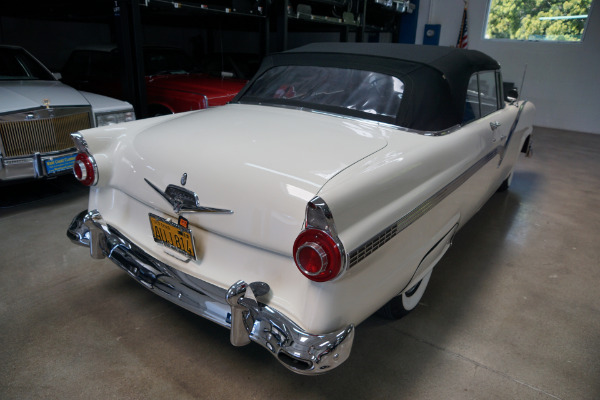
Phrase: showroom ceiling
pixel 103 11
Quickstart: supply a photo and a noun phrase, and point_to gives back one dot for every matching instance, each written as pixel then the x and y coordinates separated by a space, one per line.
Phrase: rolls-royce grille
pixel 40 135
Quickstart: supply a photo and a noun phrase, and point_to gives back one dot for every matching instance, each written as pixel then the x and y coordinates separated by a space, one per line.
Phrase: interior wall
pixel 52 41
pixel 562 78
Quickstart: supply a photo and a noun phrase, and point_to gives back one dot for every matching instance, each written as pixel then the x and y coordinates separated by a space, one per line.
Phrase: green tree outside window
pixel 556 20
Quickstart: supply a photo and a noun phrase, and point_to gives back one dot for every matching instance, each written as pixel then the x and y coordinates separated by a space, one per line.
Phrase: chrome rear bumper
pixel 236 308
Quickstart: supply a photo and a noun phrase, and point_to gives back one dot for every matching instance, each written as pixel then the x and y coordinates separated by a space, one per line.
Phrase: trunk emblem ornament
pixel 183 179
pixel 184 200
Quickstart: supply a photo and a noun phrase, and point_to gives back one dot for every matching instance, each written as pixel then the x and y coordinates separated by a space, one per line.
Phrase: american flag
pixel 463 35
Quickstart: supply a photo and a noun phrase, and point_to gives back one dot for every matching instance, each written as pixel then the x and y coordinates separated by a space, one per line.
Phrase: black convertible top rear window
pixel 434 79
pixel 347 91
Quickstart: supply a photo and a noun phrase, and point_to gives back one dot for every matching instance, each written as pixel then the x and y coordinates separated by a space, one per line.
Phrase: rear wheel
pixel 506 183
pixel 404 303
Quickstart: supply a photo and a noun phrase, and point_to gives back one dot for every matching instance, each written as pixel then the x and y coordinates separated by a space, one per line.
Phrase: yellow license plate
pixel 172 235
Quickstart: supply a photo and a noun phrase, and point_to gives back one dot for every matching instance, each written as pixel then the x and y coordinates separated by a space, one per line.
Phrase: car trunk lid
pixel 262 163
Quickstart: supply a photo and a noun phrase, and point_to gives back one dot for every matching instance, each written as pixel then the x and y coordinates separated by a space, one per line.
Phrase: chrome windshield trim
pixel 386 124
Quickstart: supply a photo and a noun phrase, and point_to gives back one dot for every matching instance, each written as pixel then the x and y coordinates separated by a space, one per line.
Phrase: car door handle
pixel 495 125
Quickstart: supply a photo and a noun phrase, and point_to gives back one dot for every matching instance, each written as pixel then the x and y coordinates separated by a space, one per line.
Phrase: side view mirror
pixel 512 95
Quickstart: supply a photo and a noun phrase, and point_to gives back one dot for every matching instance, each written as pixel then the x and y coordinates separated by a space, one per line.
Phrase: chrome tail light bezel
pixel 85 162
pixel 320 219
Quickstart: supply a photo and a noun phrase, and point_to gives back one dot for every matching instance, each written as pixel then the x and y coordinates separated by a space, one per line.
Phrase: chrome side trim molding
pixel 443 132
pixel 238 308
pixel 502 150
pixel 384 236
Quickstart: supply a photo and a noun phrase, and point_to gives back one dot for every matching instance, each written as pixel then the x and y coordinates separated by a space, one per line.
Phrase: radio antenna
pixel 522 82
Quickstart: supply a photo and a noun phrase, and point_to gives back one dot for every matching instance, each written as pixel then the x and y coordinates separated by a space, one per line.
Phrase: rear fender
pixel 444 240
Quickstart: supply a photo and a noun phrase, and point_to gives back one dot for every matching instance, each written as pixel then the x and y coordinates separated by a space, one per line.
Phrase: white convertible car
pixel 326 191
pixel 38 113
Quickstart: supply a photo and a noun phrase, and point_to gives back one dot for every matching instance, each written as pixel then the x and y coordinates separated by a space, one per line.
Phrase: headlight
pixel 114 117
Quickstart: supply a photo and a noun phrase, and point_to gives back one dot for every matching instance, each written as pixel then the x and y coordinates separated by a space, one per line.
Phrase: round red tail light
pixel 84 169
pixel 317 255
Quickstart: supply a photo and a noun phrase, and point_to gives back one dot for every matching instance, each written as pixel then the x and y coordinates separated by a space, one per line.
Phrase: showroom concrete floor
pixel 511 312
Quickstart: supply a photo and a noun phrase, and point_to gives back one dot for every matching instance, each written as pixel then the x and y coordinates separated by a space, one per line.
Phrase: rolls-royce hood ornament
pixel 184 200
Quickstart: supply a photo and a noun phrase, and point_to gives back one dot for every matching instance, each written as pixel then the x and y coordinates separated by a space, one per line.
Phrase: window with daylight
pixel 538 20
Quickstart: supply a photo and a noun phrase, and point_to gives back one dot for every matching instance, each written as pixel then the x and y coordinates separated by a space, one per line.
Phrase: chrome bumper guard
pixel 236 308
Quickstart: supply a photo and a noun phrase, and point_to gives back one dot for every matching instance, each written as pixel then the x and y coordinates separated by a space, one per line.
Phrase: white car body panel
pixel 102 104
pixel 23 95
pixel 331 203
pixel 256 240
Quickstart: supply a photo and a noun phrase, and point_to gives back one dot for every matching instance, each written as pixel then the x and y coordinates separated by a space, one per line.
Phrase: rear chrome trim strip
pixel 370 246
pixel 503 149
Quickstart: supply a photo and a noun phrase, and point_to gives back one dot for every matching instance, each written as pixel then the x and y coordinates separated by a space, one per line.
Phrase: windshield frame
pixel 22 61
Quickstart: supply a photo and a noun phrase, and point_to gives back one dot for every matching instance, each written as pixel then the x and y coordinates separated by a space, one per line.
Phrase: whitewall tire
pixel 404 303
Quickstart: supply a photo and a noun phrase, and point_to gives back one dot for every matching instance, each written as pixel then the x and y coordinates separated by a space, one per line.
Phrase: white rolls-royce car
pixel 327 190
pixel 38 113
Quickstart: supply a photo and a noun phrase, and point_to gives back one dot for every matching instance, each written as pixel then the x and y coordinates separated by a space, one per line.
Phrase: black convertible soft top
pixel 435 77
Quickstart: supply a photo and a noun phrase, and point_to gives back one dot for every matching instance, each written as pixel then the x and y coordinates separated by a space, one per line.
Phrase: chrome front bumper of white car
pixel 236 308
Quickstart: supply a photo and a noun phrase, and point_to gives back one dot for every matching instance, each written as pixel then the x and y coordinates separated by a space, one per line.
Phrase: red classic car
pixel 173 83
